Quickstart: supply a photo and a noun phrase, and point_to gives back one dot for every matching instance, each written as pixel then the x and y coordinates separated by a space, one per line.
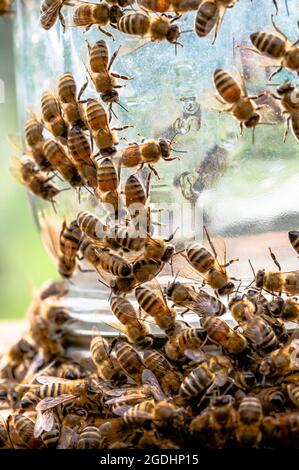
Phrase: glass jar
pixel 246 192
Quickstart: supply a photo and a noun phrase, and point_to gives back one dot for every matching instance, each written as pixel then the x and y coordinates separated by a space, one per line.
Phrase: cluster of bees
pixel 210 385
pixel 207 386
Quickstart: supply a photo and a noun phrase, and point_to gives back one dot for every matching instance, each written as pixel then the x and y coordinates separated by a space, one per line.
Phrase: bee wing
pixel 68 438
pixel 195 355
pixel 50 402
pixel 132 45
pixel 50 230
pixel 129 397
pixel 220 378
pixel 50 379
pixel 44 422
pixel 117 326
pixel 15 141
pixel 15 169
pixel 121 410
pixel 184 269
pixel 158 291
pixel 36 363
pixel 149 378
pixel 202 304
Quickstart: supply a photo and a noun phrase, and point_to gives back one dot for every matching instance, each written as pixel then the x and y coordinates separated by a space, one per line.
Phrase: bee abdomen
pixel 134 23
pixel 226 86
pixel 197 381
pixel 200 258
pixel 206 18
pixel 90 438
pixel 268 44
pixel 134 191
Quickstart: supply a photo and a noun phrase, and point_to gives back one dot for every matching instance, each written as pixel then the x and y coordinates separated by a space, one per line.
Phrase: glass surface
pixel 245 192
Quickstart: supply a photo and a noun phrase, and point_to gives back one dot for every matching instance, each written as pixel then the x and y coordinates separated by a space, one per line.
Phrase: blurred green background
pixel 24 264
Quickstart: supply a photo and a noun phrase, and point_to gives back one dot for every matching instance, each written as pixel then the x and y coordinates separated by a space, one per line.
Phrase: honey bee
pixel 101 14
pixel 277 281
pixel 90 438
pixel 145 270
pixel 51 438
pixel 210 15
pixel 34 141
pixel 161 414
pixel 92 226
pixel 199 302
pixel 113 264
pixel 137 414
pixel 69 243
pixel 294 240
pixel 200 380
pixel 107 367
pixel 157 28
pixel 256 329
pixel 80 152
pixel 52 116
pixel 190 340
pixel 172 348
pixel 277 47
pixel 21 429
pixel 125 238
pixel 99 70
pixel 222 334
pixel 135 194
pixel 283 427
pixel 36 181
pixel 272 399
pixel 136 330
pixel 163 6
pixel 149 151
pixel 57 156
pixel 168 377
pixel 242 106
pixel 281 361
pixel 129 360
pixel 107 176
pixel 285 309
pixel 249 421
pixel 123 285
pixel 288 96
pixel 50 11
pixel 154 304
pixel 67 94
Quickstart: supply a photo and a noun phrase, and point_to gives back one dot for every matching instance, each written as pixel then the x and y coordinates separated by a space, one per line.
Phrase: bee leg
pixel 153 169
pixel 123 77
pixel 276 6
pixel 241 128
pixel 62 20
pixel 122 128
pixel 86 270
pixel 113 57
pixel 274 259
pixel 229 263
pixel 287 129
pixel 82 89
pixel 278 70
pixel 110 35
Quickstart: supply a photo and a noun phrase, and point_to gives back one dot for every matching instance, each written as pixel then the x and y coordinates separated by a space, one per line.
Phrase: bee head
pixel 234 300
pixel 164 147
pixel 173 33
pixel 168 253
pixel 285 88
pixel 115 14
pixel 259 278
pixel 171 288
pixel 253 121
pixel 275 306
pixel 111 96
pixel 226 289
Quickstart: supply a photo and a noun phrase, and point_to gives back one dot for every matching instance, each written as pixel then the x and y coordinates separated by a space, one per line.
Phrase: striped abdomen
pixel 145 270
pixel 67 88
pixel 206 18
pixel 79 146
pixel 191 338
pixel 50 107
pixel 56 155
pixel 250 410
pixel 49 10
pixel 24 427
pixel 226 86
pixel 107 176
pixel 90 438
pixel 149 301
pixel 51 438
pixel 138 413
pixel 152 357
pixel 200 258
pixel 124 237
pixel 294 240
pixel 137 24
pixel 70 238
pixel 134 191
pixel 33 132
pixel 129 360
pixel 91 225
pixel 268 44
pixel 114 264
pixel 98 56
pixel 123 310
pixel 51 390
pixel 96 116
pixel 197 381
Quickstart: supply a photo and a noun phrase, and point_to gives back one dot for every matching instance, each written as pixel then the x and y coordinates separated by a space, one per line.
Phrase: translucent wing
pixel 15 141
pixel 68 438
pixel 50 230
pixel 36 363
pixel 50 379
pixel 50 402
pixel 15 169
pixel 44 422
pixel 131 45
pixel 221 378
pixel 195 355
pixel 150 379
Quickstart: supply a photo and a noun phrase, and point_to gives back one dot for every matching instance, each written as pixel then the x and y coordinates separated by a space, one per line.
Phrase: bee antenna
pixel 253 131
pixel 102 282
pixel 287 7
pixel 252 268
pixel 122 106
pixel 187 31
pixel 178 151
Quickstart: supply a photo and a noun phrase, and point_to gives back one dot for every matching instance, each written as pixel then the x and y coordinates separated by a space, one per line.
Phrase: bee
pixel 99 70
pixel 294 240
pixel 34 141
pixel 129 360
pixel 190 340
pixel 36 181
pixel 172 348
pixel 112 263
pixel 67 94
pixel 256 329
pixel 57 156
pixel 135 194
pixel 277 281
pixel 293 393
pixel 107 367
pixel 288 96
pixel 283 427
pixel 52 116
pixel 145 270
pixel 5 442
pixel 210 15
pixel 69 243
pixel 157 28
pixel 277 47
pixel 200 380
pixel 137 414
pixel 272 399
pixel 242 106
pixel 149 151
pixel 50 11
pixel 90 438
pixel 51 438
pixel 123 285
pixel 93 227
pixel 125 238
pixel 285 309
pixel 71 371
pixel 249 421
pixel 101 14
pixel 168 377
pixel 154 304
pixel 244 379
pixel 199 302
pixel 22 429
pixel 135 329
pixel 222 334
pixel 80 152
pixel 107 177
pixel 163 6
pixel 281 361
